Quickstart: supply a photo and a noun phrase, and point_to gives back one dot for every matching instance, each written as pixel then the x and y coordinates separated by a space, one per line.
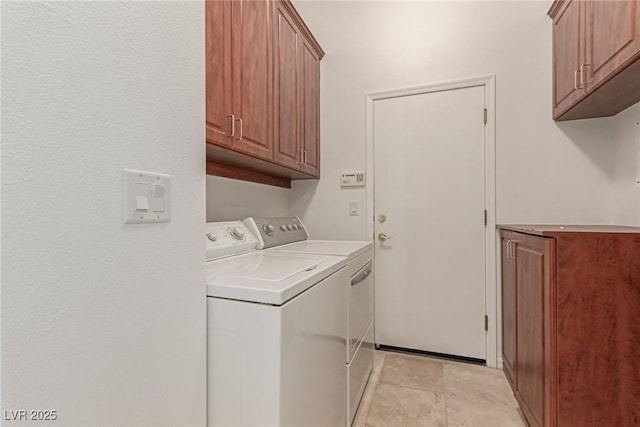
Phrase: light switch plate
pixel 147 197
pixel 354 208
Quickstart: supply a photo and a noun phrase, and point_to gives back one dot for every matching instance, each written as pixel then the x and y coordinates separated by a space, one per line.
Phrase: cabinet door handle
pixel 233 125
pixel 510 249
pixel 301 162
pixel 582 74
pixel 575 80
pixel 239 138
pixel 305 156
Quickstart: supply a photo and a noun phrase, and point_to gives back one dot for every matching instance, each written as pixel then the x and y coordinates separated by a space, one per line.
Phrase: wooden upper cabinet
pixel 596 57
pixel 263 89
pixel 297 93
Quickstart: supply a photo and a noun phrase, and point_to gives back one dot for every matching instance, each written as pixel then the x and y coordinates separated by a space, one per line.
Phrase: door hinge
pixel 485 218
pixel 486 322
pixel 485 116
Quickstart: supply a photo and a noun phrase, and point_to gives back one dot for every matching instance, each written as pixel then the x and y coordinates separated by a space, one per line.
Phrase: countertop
pixel 556 230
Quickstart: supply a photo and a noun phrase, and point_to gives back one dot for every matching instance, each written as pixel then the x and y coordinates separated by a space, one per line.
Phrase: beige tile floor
pixel 406 391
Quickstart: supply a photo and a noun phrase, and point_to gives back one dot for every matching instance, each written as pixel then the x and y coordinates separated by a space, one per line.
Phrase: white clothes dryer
pixel 275 234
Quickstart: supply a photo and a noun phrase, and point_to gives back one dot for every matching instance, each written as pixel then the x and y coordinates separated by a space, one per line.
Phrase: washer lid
pixel 349 249
pixel 268 277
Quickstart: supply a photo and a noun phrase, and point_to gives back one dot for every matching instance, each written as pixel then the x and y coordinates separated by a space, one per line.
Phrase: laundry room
pixel 316 212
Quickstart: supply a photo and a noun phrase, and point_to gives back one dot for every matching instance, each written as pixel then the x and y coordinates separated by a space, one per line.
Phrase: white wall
pixel 546 172
pixel 101 321
pixel 230 199
pixel 626 132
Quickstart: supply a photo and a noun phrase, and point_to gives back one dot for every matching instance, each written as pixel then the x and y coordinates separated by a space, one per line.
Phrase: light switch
pixel 146 197
pixel 354 208
pixel 142 204
pixel 142 197
pixel 157 199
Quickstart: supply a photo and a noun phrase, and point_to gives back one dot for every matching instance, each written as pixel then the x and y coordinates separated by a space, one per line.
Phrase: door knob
pixel 383 237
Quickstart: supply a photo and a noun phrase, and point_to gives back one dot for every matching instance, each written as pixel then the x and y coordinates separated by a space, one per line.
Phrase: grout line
pixel 376 380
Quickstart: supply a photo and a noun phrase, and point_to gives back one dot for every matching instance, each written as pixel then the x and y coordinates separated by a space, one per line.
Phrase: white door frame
pixel 488 81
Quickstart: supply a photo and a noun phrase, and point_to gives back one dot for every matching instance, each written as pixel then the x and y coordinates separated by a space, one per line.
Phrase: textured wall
pixel 626 127
pixel 546 172
pixel 101 321
pixel 229 199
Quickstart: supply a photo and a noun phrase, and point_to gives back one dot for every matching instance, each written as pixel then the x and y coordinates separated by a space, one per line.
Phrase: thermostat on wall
pixel 352 179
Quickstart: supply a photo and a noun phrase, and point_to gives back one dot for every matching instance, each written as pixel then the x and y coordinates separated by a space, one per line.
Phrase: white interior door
pixel 429 183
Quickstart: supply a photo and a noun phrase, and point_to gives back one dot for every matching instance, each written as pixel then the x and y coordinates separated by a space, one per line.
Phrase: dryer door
pixel 360 305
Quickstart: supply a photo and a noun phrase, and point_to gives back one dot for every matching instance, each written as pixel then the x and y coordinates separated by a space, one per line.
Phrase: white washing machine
pixel 275 235
pixel 276 334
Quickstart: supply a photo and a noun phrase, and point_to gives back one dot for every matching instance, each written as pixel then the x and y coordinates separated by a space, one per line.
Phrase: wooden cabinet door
pixel 509 320
pixel 297 95
pixel 613 37
pixel 287 147
pixel 310 75
pixel 252 77
pixel 533 277
pixel 218 71
pixel 568 48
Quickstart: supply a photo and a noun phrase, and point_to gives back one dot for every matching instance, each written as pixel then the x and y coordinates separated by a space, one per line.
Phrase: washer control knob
pixel 237 233
pixel 283 227
pixel 289 227
pixel 295 227
pixel 212 236
pixel 269 229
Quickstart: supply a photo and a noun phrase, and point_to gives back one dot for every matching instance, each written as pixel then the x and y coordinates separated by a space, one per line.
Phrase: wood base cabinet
pixel 571 323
